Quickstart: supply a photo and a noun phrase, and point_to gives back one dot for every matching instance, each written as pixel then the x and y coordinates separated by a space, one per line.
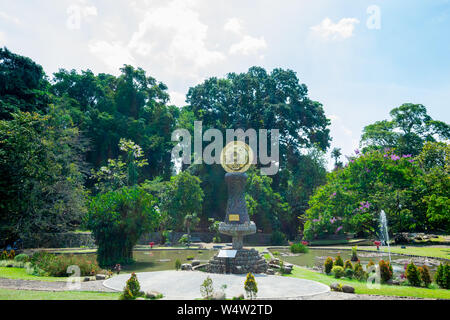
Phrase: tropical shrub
pixel 412 275
pixel 177 264
pixel 339 262
pixel 354 254
pixel 369 265
pixel 278 238
pixel 348 265
pixel 349 273
pixel 184 239
pixel 359 272
pixel 11 254
pixel 328 265
pixel 45 263
pixel 132 289
pixel 442 276
pixel 425 276
pixel 3 255
pixel 22 257
pixel 338 272
pixel 250 286
pixel 386 271
pixel 299 248
pixel 117 220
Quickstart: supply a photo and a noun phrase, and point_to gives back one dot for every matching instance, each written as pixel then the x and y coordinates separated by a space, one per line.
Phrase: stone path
pixel 98 286
pixel 185 285
pixel 52 286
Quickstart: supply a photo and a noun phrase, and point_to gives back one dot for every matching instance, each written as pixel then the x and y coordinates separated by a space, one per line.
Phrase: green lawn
pixel 361 287
pixel 424 251
pixel 7 294
pixel 20 273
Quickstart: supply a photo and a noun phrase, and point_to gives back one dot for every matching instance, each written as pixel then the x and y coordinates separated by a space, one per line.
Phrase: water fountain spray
pixel 384 232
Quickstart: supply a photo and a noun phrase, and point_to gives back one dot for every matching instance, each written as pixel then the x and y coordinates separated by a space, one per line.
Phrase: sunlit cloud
pixel 329 30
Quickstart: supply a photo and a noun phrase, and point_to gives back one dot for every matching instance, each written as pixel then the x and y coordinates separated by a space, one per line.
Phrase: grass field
pixel 20 273
pixel 424 251
pixel 361 287
pixel 8 294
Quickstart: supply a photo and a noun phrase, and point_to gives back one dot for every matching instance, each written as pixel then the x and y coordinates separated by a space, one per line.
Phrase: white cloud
pixel 338 125
pixel 233 25
pixel 114 54
pixel 178 99
pixel 336 31
pixel 2 39
pixel 175 36
pixel 9 18
pixel 77 12
pixel 248 45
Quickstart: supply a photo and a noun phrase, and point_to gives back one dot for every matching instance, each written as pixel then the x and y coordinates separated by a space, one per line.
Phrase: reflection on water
pixel 315 258
pixel 159 260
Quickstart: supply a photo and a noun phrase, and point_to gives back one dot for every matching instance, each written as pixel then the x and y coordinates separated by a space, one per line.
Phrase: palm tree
pixel 336 154
pixel 190 220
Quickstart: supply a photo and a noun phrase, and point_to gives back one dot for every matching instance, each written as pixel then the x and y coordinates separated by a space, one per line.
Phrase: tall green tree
pixel 118 219
pixel 266 207
pixel 23 85
pixel 182 199
pixel 41 183
pixel 410 128
pixel 133 106
pixel 260 100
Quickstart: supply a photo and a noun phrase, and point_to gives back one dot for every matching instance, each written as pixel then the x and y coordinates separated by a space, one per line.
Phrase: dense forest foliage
pixel 73 140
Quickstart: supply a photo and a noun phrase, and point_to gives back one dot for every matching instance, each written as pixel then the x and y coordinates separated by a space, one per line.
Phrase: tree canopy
pixel 410 128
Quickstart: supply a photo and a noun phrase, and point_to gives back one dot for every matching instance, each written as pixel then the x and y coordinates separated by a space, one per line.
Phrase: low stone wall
pixel 85 239
pixel 59 240
pixel 262 239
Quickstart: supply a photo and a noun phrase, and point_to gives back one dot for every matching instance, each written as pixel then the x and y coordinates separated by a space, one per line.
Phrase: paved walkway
pixel 97 286
pixel 185 285
pixel 35 285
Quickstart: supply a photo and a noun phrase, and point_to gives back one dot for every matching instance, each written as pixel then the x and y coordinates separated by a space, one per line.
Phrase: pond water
pixel 159 260
pixel 315 258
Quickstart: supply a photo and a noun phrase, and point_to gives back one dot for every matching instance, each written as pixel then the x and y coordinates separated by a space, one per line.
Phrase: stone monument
pixel 236 159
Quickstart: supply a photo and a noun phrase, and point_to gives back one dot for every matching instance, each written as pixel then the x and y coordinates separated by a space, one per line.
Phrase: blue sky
pixel 358 70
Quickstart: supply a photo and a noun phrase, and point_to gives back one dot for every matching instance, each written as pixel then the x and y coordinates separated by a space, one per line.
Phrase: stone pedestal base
pixel 237 232
pixel 245 261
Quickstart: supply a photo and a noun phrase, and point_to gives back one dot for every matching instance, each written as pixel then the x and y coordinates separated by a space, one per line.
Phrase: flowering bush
pixel 386 271
pixel 56 265
pixel 425 276
pixel 339 262
pixel 379 179
pixel 348 265
pixel 328 265
pixel 370 264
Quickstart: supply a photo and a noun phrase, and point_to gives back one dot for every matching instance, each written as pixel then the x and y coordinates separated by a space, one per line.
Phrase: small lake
pixel 160 260
pixel 315 258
